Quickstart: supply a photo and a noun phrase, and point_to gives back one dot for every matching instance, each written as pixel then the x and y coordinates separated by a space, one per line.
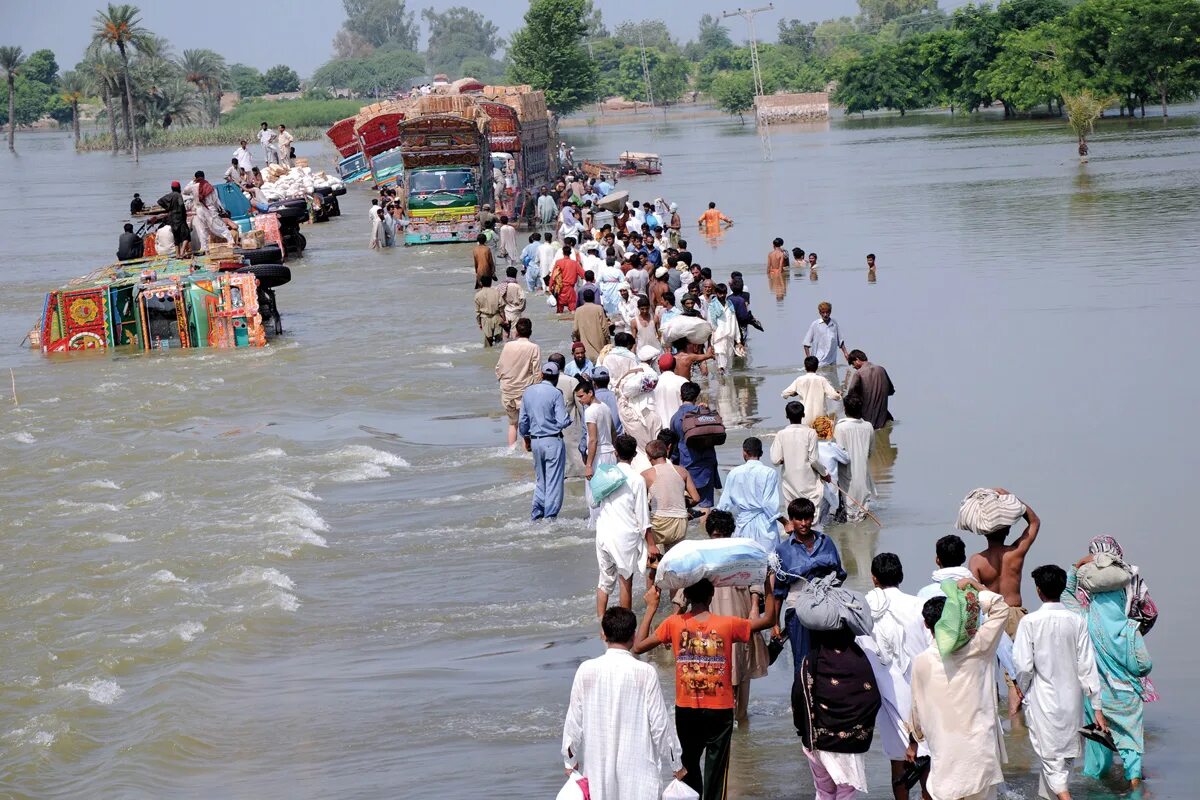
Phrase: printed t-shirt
pixel 703 657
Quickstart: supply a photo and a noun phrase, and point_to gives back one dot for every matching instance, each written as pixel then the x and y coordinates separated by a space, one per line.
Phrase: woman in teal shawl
pixel 1123 661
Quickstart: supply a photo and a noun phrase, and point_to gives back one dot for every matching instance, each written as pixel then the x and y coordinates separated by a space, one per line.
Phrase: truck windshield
pixel 387 160
pixel 449 180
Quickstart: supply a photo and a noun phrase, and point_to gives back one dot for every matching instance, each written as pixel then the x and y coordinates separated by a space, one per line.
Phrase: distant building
pixel 804 107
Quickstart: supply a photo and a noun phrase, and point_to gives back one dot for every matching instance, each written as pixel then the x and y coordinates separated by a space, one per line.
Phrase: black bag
pixel 703 429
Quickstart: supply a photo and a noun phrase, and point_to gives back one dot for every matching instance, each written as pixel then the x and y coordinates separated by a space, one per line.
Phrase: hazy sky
pixel 299 32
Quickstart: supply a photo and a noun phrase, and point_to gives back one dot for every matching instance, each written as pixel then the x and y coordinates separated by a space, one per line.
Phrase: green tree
pixel 347 44
pixel 206 70
pixel 548 53
pixel 733 92
pixel 1160 41
pixel 380 22
pixel 11 60
pixel 891 77
pixel 1027 72
pixel 73 88
pixel 653 32
pixel 384 72
pixel 281 78
pixel 103 70
pixel 799 35
pixel 712 37
pixel 668 75
pixel 247 81
pixel 877 12
pixel 120 28
pixel 41 67
pixel 457 34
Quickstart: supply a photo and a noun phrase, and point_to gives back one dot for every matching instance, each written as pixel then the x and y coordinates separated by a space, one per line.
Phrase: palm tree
pixel 1083 109
pixel 206 70
pixel 11 59
pixel 172 101
pixel 120 27
pixel 104 74
pixel 72 88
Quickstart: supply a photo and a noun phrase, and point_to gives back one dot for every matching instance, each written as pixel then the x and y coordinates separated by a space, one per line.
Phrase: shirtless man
pixel 684 361
pixel 777 259
pixel 1000 565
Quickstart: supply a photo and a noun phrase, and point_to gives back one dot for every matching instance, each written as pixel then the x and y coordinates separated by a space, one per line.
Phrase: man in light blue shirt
pixel 604 187
pixel 751 494
pixel 541 423
pixel 529 257
pixel 824 338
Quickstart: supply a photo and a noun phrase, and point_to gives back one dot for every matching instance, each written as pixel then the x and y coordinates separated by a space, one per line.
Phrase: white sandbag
pixel 678 790
pixel 573 790
pixel 725 562
pixel 648 352
pixel 695 329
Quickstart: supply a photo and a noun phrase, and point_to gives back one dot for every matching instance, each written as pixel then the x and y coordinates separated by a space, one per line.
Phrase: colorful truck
pixel 377 128
pixel 447 175
pixel 519 139
pixel 159 303
pixel 352 165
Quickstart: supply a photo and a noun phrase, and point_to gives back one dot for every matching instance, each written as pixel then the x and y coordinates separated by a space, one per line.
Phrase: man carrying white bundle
pixel 622 526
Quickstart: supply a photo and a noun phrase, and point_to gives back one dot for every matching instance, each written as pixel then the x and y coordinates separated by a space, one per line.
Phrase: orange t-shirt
pixel 711 219
pixel 703 657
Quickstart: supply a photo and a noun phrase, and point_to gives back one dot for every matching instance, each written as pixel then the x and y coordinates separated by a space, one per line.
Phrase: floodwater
pixel 307 571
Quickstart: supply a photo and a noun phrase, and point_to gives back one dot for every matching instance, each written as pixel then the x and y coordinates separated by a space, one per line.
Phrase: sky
pixel 299 32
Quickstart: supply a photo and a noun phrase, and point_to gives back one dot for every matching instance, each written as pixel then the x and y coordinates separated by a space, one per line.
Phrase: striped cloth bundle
pixel 986 510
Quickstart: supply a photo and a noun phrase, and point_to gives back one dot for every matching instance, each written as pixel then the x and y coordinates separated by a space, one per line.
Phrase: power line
pixel 747 14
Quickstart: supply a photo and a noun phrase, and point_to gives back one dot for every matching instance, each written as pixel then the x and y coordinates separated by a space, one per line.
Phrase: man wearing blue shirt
pixel 700 462
pixel 806 554
pixel 541 423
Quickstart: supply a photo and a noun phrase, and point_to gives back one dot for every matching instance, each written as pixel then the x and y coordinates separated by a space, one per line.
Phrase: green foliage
pixel 247 81
pixel 1027 72
pixel 891 77
pixel 651 32
pixel 548 53
pixel 668 75
pixel 798 35
pixel 281 78
pixel 381 22
pixel 712 37
pixel 30 100
pixel 384 72
pixel 293 113
pixel 40 67
pixel 457 35
pixel 733 92
pixel 877 12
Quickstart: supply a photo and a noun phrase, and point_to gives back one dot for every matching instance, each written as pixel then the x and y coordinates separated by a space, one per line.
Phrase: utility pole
pixel 764 133
pixel 646 69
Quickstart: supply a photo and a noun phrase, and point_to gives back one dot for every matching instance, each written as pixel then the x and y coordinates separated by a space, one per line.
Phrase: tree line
pixel 1027 55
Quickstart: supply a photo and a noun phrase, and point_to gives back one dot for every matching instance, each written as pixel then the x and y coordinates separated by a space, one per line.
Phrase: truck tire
pixel 269 275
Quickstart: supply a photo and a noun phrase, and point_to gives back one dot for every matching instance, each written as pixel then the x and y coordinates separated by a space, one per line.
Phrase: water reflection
pixel 778 283
pixel 737 398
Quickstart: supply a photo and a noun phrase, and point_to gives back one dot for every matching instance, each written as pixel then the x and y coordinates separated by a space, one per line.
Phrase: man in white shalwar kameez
pixel 751 494
pixel 726 334
pixel 813 389
pixel 857 437
pixel 1056 669
pixel 954 706
pixel 795 451
pixel 623 532
pixel 617 729
pixel 897 638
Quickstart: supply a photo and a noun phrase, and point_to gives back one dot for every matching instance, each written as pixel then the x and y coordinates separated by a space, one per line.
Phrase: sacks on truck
pixel 695 329
pixel 821 605
pixel 725 562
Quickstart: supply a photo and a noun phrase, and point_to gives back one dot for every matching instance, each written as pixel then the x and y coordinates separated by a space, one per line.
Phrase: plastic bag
pixel 607 479
pixel 960 618
pixel 678 790
pixel 725 562
pixel 822 606
pixel 574 789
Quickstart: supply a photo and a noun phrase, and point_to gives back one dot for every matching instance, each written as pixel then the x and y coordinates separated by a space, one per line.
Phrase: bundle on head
pixel 986 511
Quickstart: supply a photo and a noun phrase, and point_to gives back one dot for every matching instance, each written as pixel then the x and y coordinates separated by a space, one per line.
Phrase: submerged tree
pixel 72 89
pixel 120 28
pixel 1083 109
pixel 11 59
